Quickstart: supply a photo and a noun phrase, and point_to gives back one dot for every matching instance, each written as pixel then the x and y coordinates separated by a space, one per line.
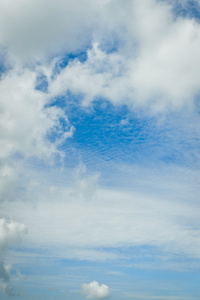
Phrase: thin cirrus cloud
pixel 110 218
pixel 99 155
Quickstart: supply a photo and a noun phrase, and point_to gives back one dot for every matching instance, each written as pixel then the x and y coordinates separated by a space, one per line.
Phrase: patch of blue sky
pixel 41 82
pixel 139 274
pixel 112 43
pixel 116 133
pixel 147 271
pixel 58 130
pixel 197 104
pixel 189 9
pixel 66 101
pixel 2 68
pixel 109 45
pixel 4 65
pixel 134 260
pixel 64 59
pixel 128 276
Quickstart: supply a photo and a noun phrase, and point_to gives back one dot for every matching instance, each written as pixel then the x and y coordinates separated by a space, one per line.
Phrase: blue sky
pixel 99 156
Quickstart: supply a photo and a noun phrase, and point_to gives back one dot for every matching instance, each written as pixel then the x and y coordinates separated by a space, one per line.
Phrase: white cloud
pixel 5 286
pixel 30 29
pixel 94 290
pixel 156 67
pixel 78 227
pixel 86 253
pixel 101 75
pixel 8 180
pixel 25 122
pixel 11 233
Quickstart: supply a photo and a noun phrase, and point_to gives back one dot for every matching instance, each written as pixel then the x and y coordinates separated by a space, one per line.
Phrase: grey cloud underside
pixel 5 286
pixel 11 234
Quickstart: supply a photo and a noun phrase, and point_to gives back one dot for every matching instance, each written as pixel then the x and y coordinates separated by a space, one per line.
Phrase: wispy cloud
pixel 146 296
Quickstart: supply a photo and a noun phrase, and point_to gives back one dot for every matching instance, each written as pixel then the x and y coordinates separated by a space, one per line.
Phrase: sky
pixel 100 149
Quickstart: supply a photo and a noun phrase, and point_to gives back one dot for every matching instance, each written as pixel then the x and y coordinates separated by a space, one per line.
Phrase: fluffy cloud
pixel 156 64
pixel 35 27
pixel 25 122
pixel 94 290
pixel 153 61
pixel 10 234
pixel 6 280
pixel 26 126
pixel 5 286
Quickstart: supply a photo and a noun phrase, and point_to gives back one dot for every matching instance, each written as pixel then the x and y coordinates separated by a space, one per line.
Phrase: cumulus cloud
pixel 5 286
pixel 34 28
pixel 98 76
pixel 156 66
pixel 24 126
pixel 26 123
pixel 94 290
pixel 10 234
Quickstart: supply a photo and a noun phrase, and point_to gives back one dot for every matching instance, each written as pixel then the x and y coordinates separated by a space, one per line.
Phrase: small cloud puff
pixel 93 290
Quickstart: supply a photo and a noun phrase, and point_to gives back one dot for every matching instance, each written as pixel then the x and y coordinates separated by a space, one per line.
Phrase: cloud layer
pixel 63 62
pixel 87 217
